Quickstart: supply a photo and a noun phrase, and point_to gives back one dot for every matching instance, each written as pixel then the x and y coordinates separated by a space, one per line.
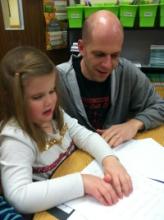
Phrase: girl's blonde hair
pixel 17 66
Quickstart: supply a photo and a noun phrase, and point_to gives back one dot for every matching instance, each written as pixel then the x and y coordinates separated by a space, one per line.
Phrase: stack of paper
pixel 144 160
pixel 157 55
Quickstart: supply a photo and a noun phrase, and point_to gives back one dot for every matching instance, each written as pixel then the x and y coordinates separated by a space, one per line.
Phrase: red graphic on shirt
pixel 96 109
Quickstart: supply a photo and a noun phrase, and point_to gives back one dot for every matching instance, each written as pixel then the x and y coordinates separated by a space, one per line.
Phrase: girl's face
pixel 41 98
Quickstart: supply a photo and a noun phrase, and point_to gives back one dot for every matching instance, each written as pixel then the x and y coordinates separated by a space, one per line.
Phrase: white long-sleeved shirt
pixel 22 162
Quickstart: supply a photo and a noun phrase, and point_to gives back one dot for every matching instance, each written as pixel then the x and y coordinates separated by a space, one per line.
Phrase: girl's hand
pixel 99 189
pixel 117 175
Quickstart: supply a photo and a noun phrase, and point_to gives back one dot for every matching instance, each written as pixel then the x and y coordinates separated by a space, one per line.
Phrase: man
pixel 104 92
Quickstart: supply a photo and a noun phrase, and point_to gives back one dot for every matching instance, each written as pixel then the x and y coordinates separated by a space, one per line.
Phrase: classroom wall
pixel 33 34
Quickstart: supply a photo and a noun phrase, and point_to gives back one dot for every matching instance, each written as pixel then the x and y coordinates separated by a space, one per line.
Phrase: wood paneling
pixel 33 34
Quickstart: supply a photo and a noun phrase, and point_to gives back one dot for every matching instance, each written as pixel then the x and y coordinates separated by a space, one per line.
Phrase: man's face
pixel 100 57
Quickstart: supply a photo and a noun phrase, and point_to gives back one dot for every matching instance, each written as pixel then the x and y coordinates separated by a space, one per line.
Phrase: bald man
pixel 104 92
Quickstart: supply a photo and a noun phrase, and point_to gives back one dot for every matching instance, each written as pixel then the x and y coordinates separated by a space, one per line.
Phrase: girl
pixel 37 135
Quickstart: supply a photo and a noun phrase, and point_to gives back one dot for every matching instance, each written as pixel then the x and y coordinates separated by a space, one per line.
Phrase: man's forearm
pixel 136 123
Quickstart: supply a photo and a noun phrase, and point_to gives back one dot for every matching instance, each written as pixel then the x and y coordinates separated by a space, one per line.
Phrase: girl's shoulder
pixel 13 130
pixel 68 118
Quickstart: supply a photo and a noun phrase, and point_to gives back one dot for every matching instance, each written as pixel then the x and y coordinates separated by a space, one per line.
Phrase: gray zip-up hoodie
pixel 132 96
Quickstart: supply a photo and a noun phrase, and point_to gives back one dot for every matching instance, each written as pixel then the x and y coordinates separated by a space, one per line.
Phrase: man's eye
pixel 99 55
pixel 52 91
pixel 115 56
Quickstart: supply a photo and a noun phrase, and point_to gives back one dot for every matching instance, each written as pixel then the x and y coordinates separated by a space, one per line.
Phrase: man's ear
pixel 81 46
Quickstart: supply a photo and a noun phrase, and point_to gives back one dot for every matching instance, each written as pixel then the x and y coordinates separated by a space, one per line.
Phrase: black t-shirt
pixel 95 96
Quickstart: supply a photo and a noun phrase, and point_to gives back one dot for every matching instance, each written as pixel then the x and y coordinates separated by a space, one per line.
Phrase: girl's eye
pixel 40 96
pixel 37 97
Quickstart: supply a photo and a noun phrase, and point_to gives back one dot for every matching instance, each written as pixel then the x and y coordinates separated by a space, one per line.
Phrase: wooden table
pixel 82 159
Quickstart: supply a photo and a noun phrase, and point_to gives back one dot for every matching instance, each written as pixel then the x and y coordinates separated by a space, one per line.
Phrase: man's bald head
pixel 100 22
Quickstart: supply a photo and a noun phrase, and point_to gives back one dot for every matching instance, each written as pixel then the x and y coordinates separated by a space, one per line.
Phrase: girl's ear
pixel 81 46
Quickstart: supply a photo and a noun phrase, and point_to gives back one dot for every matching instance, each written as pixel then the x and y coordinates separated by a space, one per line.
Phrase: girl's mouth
pixel 47 112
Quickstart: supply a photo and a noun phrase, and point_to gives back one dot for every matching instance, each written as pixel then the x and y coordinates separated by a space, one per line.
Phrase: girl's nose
pixel 48 100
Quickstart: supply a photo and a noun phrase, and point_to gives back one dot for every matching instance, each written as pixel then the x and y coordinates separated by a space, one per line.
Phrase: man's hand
pixel 117 175
pixel 117 134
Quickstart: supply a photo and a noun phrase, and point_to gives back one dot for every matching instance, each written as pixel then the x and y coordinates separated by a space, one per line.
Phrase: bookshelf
pixel 137 42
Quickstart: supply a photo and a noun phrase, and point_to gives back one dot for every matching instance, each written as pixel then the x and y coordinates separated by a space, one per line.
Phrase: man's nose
pixel 107 62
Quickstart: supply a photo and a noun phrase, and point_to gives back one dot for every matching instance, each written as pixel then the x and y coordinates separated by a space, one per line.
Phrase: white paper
pixel 143 159
pixel 144 156
pixel 146 202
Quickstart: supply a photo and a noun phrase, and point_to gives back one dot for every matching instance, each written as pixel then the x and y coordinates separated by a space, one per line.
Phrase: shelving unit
pixel 137 42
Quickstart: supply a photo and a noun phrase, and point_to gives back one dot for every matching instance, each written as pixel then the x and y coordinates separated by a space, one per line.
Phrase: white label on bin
pixel 128 14
pixel 148 14
pixel 75 16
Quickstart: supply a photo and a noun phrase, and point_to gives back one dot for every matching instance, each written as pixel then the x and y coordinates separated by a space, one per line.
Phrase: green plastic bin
pixel 111 7
pixel 128 15
pixel 161 14
pixel 147 15
pixel 88 10
pixel 75 16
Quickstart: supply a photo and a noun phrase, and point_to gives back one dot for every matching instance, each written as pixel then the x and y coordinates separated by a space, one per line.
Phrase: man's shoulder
pixel 67 66
pixel 125 62
pixel 127 66
pixel 130 70
pixel 64 67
